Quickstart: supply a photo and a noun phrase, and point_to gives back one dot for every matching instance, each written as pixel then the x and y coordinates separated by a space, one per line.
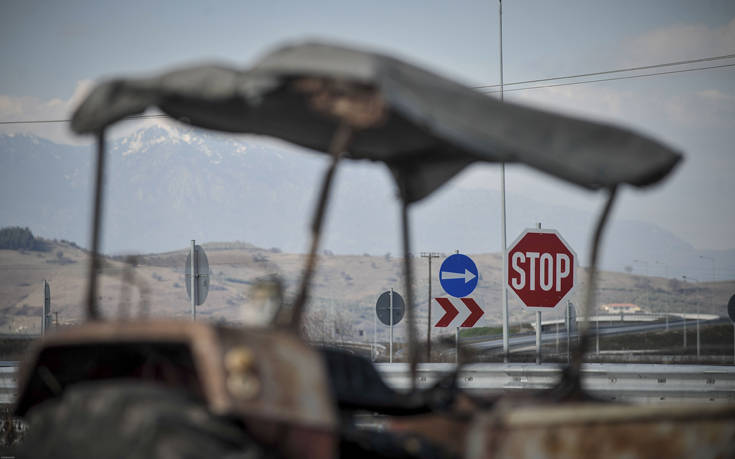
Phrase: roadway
pixel 478 343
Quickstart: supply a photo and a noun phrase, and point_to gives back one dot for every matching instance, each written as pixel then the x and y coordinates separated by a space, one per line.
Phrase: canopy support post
pixel 94 262
pixel 408 279
pixel 578 355
pixel 339 143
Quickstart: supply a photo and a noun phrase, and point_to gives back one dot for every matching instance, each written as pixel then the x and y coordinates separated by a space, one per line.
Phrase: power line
pixel 132 117
pixel 628 77
pixel 34 121
pixel 614 78
pixel 606 72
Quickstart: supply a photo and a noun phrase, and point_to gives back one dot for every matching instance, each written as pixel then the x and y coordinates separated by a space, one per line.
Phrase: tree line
pixel 18 238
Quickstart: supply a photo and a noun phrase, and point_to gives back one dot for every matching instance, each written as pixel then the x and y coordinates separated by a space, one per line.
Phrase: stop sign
pixel 540 268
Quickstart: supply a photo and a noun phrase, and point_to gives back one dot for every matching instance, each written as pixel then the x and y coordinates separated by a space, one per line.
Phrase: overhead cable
pixel 628 77
pixel 606 72
pixel 571 83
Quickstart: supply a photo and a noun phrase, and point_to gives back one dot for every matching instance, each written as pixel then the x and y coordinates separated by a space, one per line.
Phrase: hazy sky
pixel 51 51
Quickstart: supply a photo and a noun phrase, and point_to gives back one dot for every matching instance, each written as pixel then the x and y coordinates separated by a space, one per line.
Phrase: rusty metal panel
pixel 251 373
pixel 360 105
pixel 292 377
pixel 604 430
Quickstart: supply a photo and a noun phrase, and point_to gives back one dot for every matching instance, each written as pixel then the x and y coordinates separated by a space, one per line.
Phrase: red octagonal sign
pixel 541 268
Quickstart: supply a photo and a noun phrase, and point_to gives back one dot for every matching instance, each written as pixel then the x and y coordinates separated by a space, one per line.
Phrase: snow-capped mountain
pixel 167 185
pixel 145 140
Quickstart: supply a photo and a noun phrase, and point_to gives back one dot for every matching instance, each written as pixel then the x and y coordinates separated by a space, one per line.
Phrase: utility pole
pixel 375 333
pixel 456 346
pixel 714 276
pixel 538 326
pixel 429 256
pixel 714 271
pixel 695 280
pixel 644 262
pixel 684 320
pixel 666 275
pixel 504 246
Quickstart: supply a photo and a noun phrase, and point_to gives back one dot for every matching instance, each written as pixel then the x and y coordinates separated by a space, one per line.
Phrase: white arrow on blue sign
pixel 458 275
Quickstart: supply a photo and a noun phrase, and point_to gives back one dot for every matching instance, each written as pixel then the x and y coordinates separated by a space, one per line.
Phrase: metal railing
pixel 621 382
pixel 8 382
pixel 646 383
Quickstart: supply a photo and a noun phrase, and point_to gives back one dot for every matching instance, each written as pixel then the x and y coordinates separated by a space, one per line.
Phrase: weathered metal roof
pixel 425 127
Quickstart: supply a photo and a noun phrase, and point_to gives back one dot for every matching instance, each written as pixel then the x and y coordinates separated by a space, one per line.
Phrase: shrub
pixel 260 258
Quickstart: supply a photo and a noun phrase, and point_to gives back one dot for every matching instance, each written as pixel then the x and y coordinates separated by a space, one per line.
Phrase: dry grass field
pixel 345 287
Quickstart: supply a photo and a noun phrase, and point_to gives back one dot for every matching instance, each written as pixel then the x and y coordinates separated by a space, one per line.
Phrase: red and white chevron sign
pixel 467 315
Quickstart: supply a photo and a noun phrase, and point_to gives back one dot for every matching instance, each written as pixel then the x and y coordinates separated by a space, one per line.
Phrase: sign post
pixel 540 271
pixel 538 337
pixel 193 280
pixel 46 314
pixel 390 309
pixel 571 322
pixel 197 277
pixel 538 327
pixel 391 326
pixel 731 313
pixel 458 276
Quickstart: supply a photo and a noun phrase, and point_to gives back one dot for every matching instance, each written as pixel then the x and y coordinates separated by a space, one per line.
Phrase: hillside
pixel 344 291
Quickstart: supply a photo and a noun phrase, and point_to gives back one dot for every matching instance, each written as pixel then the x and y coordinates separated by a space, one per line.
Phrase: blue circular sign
pixel 458 275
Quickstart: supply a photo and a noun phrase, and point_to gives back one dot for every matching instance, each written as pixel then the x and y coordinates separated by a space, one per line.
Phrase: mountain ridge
pixel 168 185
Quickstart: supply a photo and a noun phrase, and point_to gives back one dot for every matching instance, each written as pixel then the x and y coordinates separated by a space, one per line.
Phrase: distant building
pixel 621 308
